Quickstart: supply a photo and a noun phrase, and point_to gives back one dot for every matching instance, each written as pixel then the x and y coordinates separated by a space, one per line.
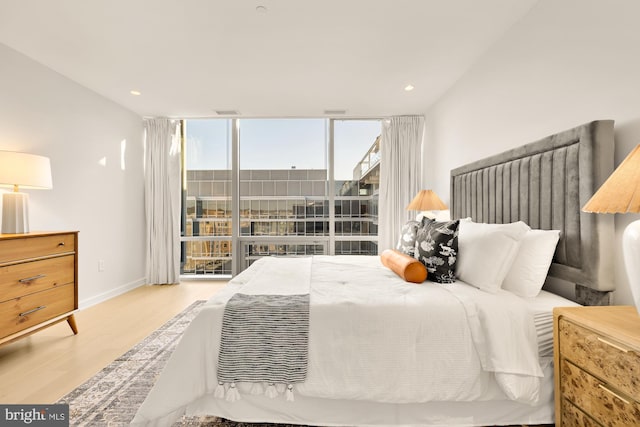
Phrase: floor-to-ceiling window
pixel 357 177
pixel 206 202
pixel 283 187
pixel 299 187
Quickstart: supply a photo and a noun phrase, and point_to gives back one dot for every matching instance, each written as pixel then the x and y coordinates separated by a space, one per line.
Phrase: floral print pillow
pixel 437 248
pixel 407 241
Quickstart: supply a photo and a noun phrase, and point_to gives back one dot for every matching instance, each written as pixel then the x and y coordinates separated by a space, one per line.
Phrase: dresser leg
pixel 72 324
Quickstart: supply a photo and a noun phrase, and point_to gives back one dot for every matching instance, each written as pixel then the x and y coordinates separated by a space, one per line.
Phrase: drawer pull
pixel 60 244
pixel 31 279
pixel 617 347
pixel 608 390
pixel 33 310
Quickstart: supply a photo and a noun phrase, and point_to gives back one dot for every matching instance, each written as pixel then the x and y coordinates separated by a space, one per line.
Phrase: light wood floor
pixel 47 365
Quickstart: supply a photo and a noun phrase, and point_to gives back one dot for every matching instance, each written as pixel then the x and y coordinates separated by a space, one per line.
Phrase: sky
pixel 280 144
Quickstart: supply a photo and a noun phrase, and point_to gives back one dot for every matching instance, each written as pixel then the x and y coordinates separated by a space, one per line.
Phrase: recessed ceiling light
pixel 335 112
pixel 227 113
pixel 261 9
pixel 408 88
pixel 135 92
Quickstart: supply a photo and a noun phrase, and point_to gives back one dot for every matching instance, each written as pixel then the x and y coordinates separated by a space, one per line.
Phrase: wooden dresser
pixel 38 282
pixel 597 366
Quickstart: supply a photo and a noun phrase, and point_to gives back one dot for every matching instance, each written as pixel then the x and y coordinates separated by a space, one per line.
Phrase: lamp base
pixel 15 213
pixel 440 215
pixel 631 251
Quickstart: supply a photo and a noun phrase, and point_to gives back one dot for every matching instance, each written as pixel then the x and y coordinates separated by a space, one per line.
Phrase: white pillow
pixel 486 252
pixel 530 267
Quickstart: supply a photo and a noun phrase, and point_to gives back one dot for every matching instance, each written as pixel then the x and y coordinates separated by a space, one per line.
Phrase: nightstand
pixel 597 366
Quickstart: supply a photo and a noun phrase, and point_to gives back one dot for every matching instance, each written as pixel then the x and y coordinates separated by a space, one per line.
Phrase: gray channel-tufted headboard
pixel 545 184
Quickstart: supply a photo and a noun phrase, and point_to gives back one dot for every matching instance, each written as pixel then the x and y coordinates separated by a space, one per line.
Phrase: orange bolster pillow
pixel 405 266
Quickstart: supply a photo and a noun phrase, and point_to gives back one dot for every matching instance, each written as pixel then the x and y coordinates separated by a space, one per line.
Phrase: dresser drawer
pixel 14 250
pixel 596 398
pixel 574 417
pixel 602 357
pixel 17 280
pixel 21 313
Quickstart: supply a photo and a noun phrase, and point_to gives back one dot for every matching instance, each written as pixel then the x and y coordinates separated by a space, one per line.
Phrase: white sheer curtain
pixel 400 175
pixel 162 200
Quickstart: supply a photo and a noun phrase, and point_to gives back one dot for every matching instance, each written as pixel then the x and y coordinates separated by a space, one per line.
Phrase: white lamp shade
pixel 24 170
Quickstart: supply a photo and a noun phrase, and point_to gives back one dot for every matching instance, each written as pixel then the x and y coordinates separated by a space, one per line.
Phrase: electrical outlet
pixel 100 265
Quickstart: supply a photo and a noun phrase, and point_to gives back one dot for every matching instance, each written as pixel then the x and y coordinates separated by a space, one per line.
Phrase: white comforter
pixel 375 337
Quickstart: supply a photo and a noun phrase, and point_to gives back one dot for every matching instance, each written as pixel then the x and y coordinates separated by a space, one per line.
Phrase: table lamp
pixel 427 200
pixel 620 193
pixel 20 171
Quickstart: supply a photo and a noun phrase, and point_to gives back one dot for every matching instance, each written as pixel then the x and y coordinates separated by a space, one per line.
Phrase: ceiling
pixel 261 58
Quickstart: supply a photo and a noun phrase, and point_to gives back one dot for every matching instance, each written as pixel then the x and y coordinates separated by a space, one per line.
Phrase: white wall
pixel 566 63
pixel 42 112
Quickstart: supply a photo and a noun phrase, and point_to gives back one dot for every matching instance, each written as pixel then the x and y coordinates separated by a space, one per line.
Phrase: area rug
pixel 112 396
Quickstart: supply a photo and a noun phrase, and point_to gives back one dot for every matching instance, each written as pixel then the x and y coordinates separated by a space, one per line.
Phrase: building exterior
pixel 282 212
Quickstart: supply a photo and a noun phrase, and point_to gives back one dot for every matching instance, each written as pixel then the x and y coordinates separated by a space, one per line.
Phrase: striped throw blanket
pixel 265 331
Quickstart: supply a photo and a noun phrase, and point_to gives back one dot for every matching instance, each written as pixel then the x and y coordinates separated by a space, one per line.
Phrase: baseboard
pixel 88 302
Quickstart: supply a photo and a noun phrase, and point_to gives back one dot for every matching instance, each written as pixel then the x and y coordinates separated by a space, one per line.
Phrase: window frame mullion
pixel 237 263
pixel 330 191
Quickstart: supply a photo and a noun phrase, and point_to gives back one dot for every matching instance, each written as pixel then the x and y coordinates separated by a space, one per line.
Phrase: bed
pixel 380 350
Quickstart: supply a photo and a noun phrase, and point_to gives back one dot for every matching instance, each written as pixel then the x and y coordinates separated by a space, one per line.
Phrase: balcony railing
pixel 370 160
